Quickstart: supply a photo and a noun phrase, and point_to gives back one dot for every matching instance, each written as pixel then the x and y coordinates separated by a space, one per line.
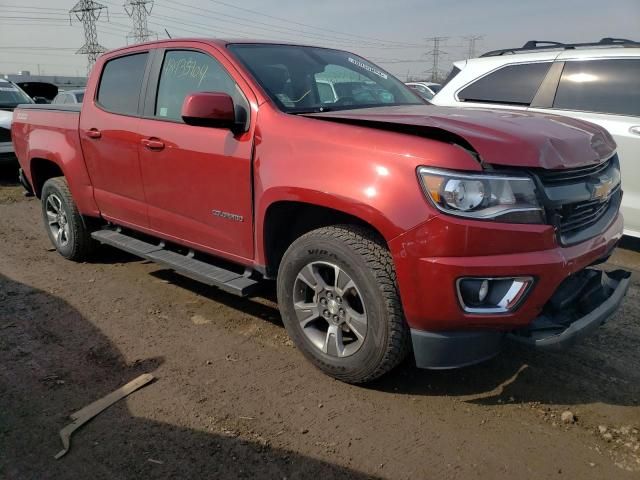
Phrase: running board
pixel 227 280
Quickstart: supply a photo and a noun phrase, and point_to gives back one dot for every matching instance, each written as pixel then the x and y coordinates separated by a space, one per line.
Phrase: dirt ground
pixel 234 399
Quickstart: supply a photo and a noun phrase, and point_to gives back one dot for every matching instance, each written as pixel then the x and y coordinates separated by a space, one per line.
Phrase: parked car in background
pixel 598 82
pixel 69 97
pixel 390 226
pixel 40 92
pixel 10 97
pixel 425 89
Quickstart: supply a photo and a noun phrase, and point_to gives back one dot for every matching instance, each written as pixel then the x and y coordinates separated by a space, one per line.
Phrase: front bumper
pixel 432 257
pixel 582 303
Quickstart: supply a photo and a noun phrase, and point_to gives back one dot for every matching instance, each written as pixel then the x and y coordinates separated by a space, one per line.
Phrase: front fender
pixel 367 173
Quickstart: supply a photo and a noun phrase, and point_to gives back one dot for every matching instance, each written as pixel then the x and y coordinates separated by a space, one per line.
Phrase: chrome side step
pixel 227 280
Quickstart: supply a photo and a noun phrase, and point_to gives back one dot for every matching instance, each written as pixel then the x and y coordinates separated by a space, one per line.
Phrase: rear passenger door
pixel 197 180
pixel 607 92
pixel 109 134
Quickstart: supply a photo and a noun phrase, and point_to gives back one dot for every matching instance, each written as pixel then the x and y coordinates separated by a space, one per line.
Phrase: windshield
pixel 11 95
pixel 311 79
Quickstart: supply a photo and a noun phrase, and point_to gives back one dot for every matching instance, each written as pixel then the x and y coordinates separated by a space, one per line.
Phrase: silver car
pixel 10 96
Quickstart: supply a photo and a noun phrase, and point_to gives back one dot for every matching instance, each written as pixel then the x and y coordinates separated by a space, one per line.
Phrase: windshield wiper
pixel 303 111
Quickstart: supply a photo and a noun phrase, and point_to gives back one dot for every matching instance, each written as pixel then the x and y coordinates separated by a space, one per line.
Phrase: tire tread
pixel 83 243
pixel 376 255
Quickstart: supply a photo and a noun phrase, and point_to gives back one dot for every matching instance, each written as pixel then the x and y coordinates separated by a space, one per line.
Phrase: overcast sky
pixel 36 34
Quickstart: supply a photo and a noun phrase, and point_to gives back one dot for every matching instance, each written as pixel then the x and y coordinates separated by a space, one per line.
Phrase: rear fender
pixel 62 148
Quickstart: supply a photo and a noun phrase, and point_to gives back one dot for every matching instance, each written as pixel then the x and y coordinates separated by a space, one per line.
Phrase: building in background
pixel 61 81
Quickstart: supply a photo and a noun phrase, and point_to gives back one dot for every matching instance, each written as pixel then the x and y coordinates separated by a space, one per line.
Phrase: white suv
pixel 598 82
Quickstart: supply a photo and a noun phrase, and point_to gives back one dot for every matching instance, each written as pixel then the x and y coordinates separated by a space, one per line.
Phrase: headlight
pixel 482 196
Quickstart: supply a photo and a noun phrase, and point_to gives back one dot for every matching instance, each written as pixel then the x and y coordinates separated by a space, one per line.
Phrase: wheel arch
pixel 286 220
pixel 42 169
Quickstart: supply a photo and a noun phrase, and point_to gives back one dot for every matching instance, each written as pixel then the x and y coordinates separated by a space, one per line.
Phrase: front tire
pixel 340 304
pixel 65 226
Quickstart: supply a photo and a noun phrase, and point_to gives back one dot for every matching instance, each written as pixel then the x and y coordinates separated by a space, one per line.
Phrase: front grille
pixel 573 203
pixel 578 216
pixel 555 177
pixel 5 135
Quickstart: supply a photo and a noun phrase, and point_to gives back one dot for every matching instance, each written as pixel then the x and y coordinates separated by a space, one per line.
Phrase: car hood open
pixel 499 137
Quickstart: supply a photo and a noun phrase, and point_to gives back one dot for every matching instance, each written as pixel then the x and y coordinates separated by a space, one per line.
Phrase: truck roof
pixel 218 42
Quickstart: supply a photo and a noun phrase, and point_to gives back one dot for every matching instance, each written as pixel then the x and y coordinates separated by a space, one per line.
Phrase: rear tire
pixel 65 226
pixel 340 304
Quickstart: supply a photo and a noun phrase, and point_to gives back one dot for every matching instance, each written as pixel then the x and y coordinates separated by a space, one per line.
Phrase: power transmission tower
pixel 138 10
pixel 472 39
pixel 88 12
pixel 435 54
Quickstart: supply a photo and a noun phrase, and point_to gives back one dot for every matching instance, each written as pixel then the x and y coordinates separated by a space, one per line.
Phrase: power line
pixel 280 29
pixel 138 10
pixel 88 12
pixel 288 21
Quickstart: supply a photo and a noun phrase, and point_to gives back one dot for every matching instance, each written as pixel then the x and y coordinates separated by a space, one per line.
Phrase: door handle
pixel 152 144
pixel 635 129
pixel 93 133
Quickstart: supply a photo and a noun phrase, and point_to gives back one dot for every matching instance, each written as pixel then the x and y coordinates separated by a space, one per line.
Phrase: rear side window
pixel 602 86
pixel 121 83
pixel 184 72
pixel 513 84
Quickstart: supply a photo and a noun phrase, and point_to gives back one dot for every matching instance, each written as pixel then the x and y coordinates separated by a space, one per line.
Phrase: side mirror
pixel 209 109
pixel 40 100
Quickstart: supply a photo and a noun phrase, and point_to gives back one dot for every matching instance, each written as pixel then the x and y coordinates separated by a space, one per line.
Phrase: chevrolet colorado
pixel 390 226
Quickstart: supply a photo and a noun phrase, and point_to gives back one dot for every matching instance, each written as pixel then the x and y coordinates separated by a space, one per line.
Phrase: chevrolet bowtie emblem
pixel 603 188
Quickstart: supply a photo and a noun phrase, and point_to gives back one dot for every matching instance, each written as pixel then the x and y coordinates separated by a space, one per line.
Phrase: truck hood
pixel 499 137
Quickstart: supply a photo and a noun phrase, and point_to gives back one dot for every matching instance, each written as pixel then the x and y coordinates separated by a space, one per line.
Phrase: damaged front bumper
pixel 581 304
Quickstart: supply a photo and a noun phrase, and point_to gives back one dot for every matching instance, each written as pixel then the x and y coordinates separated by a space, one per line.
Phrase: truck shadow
pixel 604 368
pixel 55 362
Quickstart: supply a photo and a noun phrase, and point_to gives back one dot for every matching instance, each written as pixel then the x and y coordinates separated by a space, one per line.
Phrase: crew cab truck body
pixel 390 225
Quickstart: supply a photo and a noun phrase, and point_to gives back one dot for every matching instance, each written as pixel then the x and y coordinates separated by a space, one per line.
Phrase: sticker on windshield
pixel 368 68
pixel 8 89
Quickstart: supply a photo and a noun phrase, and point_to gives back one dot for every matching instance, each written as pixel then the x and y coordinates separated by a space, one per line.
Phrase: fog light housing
pixel 492 295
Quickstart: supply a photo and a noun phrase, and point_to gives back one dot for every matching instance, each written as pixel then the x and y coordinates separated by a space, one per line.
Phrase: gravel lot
pixel 234 399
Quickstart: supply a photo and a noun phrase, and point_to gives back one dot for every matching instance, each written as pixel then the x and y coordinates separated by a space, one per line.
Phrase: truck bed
pixel 49 135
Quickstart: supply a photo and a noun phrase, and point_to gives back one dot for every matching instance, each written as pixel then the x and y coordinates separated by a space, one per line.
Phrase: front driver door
pixel 197 180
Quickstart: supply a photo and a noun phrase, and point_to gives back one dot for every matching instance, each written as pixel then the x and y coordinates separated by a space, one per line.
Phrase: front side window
pixel 308 79
pixel 121 82
pixel 184 72
pixel 512 85
pixel 602 86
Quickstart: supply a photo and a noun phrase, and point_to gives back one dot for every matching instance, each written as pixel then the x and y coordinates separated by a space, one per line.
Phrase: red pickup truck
pixel 391 226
